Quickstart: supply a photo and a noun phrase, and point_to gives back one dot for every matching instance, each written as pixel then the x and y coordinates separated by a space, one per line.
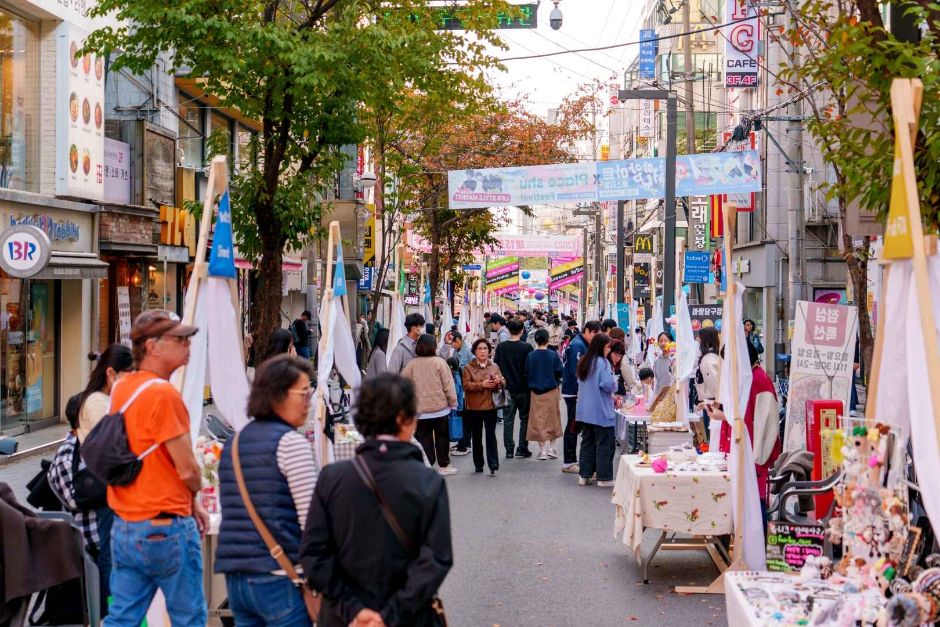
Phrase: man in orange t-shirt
pixel 156 535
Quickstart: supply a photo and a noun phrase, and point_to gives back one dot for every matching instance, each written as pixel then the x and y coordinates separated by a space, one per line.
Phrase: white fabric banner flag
pixel 344 350
pixel 923 429
pixel 686 345
pixel 447 321
pixel 227 376
pixel 893 402
pixel 636 348
pixel 323 447
pixel 654 325
pixel 396 328
pixel 743 475
pixel 462 320
pixel 194 385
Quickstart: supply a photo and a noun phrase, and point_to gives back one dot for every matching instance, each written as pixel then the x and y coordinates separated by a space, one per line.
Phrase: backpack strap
pixel 130 401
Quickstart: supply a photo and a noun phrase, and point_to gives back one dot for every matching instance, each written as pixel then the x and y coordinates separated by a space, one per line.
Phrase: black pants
pixel 474 423
pixel 597 452
pixel 517 401
pixel 434 436
pixel 572 429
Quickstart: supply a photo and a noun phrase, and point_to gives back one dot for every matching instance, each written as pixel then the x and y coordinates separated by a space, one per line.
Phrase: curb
pixel 49 447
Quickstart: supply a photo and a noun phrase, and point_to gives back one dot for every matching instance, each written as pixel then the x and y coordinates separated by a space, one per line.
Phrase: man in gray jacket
pixel 405 351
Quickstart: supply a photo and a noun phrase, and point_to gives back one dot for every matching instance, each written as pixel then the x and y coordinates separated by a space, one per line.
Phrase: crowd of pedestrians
pixel 287 526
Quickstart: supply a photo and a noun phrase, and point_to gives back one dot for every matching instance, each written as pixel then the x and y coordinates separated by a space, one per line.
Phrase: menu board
pixel 80 117
pixel 789 544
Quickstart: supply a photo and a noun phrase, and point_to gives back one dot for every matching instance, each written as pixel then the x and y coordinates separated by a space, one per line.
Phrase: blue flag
pixel 427 290
pixel 339 273
pixel 222 256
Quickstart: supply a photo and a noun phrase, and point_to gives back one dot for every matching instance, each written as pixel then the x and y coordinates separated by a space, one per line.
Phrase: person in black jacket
pixel 349 552
pixel 511 358
pixel 300 329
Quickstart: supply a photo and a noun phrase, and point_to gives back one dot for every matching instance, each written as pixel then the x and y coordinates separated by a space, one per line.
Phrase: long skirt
pixel 544 416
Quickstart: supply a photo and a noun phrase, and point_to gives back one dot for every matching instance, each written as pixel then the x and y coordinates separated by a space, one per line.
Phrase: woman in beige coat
pixel 436 396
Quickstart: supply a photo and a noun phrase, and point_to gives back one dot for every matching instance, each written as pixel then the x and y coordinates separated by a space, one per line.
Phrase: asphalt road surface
pixel 533 548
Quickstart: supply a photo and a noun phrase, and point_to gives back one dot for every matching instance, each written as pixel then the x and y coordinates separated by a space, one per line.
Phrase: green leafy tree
pixel 305 70
pixel 840 55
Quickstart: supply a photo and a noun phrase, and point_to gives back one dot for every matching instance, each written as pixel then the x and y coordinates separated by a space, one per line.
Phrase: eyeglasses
pixel 176 338
pixel 307 392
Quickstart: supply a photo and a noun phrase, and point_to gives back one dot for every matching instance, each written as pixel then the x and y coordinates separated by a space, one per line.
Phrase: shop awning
pixel 63 265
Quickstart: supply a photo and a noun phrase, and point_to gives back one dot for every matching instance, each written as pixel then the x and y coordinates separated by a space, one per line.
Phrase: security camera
pixel 555 17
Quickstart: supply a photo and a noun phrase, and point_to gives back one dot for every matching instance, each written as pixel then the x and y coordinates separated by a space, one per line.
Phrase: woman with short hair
pixel 482 377
pixel 280 475
pixel 437 396
pixel 378 564
pixel 543 373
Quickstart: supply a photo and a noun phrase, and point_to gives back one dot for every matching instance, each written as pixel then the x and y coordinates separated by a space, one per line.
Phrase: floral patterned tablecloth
pixel 691 502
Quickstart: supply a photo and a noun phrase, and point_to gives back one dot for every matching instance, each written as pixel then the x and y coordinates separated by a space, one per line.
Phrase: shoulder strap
pixel 366 475
pixel 273 547
pixel 146 384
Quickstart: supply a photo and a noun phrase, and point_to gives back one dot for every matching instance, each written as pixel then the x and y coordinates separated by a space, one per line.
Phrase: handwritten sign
pixel 788 545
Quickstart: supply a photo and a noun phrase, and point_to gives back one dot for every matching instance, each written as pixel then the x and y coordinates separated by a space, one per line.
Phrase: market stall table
pixel 766 598
pixel 687 500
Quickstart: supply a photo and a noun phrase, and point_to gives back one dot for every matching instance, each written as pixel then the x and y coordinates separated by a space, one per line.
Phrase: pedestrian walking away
pixel 436 398
pixel 377 542
pixel 300 329
pixel 378 362
pixel 481 377
pixel 543 373
pixel 155 539
pixel 511 359
pixel 279 475
pixel 569 391
pixel 596 413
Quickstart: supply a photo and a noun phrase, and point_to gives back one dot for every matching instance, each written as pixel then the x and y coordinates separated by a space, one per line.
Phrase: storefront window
pixel 190 138
pixel 27 346
pixel 19 106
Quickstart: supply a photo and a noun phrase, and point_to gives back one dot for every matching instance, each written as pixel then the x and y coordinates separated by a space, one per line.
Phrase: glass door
pixel 13 344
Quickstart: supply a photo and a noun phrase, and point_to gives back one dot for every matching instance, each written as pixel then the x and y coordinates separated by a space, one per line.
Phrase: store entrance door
pixel 27 354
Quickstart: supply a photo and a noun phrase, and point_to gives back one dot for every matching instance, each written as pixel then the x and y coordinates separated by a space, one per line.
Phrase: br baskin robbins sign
pixel 56 230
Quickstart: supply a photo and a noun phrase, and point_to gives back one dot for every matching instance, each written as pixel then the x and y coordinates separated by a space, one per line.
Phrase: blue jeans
pixel 164 554
pixel 260 599
pixel 304 351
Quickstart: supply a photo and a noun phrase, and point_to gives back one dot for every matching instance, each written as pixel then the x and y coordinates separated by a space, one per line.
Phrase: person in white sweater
pixel 708 374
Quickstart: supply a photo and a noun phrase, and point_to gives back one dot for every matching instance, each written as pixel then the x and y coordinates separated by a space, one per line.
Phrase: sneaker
pixel 509 455
pixel 459 453
pixel 542 455
pixel 605 484
pixel 573 469
pixel 584 481
pixel 552 453
pixel 446 471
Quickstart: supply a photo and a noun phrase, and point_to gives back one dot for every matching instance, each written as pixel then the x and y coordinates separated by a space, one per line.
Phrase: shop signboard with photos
pixel 79 118
pixel 823 354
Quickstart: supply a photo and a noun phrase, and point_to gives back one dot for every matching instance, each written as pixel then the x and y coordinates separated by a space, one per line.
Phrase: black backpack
pixel 106 451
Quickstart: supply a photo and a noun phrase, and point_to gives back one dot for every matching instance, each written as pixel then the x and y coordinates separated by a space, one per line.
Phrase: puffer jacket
pixel 477 397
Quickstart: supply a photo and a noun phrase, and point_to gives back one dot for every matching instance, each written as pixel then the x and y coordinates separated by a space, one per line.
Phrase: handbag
pixel 455 424
pixel 312 600
pixel 501 398
pixel 437 606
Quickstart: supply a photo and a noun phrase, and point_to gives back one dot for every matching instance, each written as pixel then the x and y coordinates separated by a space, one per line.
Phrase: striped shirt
pixel 295 461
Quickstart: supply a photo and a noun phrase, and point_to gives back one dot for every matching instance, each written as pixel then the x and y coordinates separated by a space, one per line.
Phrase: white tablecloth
pixel 695 503
pixel 779 599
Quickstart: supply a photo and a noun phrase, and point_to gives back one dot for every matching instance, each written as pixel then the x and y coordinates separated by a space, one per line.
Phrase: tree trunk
pixel 434 261
pixel 268 299
pixel 858 273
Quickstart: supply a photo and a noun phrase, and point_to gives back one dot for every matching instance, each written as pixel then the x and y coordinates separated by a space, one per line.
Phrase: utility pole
pixel 599 273
pixel 584 276
pixel 621 254
pixel 795 223
pixel 669 252
pixel 689 91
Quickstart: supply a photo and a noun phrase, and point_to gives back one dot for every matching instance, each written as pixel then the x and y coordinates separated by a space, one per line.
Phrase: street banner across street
pixel 630 179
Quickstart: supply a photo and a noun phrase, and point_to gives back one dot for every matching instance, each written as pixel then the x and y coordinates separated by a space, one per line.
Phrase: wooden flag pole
pixel 399 259
pixel 218 181
pixel 336 238
pixel 739 430
pixel 906 98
